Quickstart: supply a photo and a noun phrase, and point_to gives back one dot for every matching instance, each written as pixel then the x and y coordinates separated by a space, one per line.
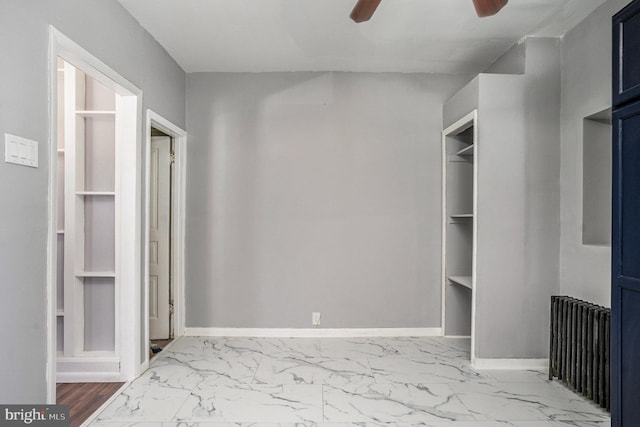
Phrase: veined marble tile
pixel 394 382
pixel 145 402
pixel 393 403
pixel 423 371
pixel 482 424
pixel 196 424
pixel 356 425
pixel 517 376
pixel 488 424
pixel 357 348
pixel 280 425
pixel 227 370
pixel 195 345
pixel 253 403
pixel 526 401
pixel 461 344
pixel 205 424
pixel 171 375
pixel 121 424
pixel 580 423
pixel 389 346
pixel 445 347
pixel 294 370
pixel 295 347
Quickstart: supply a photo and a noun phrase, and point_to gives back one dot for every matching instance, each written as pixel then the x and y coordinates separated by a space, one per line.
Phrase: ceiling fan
pixel 364 9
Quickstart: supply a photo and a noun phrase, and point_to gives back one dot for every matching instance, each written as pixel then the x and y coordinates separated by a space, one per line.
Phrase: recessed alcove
pixel 596 179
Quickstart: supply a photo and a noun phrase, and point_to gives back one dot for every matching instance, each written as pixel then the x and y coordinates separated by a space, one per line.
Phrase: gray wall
pixel 314 192
pixel 586 89
pixel 518 197
pixel 524 128
pixel 512 62
pixel 107 31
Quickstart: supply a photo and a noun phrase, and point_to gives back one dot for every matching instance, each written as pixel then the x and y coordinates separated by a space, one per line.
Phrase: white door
pixel 159 237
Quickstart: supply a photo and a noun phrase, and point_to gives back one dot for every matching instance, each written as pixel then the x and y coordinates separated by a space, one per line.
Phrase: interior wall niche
pixel 596 179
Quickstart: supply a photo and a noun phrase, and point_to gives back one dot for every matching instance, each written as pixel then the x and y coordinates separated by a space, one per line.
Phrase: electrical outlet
pixel 315 319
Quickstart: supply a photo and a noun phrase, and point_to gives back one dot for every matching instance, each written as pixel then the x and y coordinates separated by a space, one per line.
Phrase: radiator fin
pixel 579 349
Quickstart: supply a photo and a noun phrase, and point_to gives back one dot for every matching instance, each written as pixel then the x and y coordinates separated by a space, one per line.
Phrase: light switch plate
pixel 20 151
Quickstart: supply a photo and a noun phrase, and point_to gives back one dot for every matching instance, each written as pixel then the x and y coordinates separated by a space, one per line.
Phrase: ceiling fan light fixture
pixel 364 10
pixel 486 8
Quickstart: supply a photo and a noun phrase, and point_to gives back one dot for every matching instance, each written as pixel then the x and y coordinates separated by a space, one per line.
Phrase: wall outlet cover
pixel 315 319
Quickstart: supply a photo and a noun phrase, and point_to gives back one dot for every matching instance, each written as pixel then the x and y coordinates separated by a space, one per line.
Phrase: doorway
pixel 160 241
pixel 164 243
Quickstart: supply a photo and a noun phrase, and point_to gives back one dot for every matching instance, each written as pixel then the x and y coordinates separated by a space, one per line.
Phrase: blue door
pixel 625 292
pixel 625 246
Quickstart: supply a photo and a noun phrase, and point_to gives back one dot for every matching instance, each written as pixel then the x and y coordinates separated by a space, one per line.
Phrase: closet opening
pixel 164 186
pixel 161 179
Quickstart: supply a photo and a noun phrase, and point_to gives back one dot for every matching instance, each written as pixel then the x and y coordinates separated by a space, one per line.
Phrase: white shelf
pixel 60 232
pixel 95 113
pixel 96 274
pixel 460 218
pixel 95 193
pixel 60 150
pixel 60 312
pixel 466 151
pixel 465 281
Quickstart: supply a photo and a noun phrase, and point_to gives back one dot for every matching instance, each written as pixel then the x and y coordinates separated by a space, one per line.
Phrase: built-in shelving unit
pixel 466 151
pixel 87 275
pixel 460 218
pixel 96 274
pixel 95 193
pixel 458 229
pixel 89 113
pixel 465 281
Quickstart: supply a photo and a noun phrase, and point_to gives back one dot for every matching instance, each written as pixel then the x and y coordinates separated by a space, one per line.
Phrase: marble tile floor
pixel 335 382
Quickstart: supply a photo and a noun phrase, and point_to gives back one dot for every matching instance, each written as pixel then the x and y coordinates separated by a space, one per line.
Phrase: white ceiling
pixel 433 36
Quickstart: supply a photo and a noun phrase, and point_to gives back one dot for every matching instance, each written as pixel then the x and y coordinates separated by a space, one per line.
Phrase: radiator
pixel 579 351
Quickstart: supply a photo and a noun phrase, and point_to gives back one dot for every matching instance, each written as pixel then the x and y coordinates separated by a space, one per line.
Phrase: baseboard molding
pixel 87 377
pixel 511 364
pixel 312 333
pixel 88 369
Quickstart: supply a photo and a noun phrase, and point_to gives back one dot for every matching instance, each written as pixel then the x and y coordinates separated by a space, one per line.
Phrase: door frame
pixel 178 204
pixel 128 221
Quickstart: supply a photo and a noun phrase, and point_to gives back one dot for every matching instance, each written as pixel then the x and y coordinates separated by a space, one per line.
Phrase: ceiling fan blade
pixel 364 9
pixel 486 8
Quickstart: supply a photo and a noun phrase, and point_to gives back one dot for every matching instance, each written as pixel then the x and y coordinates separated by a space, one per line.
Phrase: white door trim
pixel 179 137
pixel 128 258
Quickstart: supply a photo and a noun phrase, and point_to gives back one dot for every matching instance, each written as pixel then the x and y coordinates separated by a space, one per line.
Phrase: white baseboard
pixel 511 364
pixel 88 369
pixel 312 333
pixel 87 377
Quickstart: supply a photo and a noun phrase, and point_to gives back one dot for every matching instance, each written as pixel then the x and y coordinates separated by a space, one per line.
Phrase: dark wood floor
pixel 84 398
